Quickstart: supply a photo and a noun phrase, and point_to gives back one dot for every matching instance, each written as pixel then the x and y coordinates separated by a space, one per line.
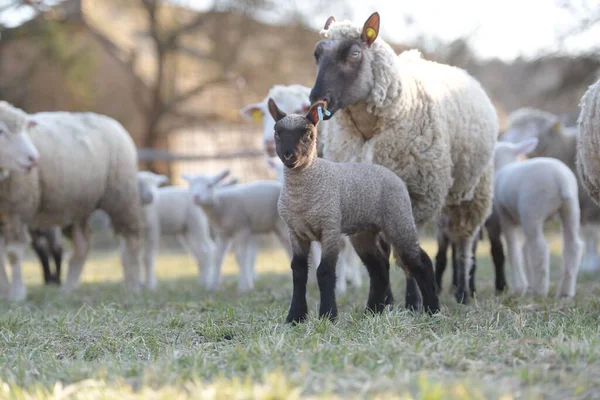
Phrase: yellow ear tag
pixel 556 126
pixel 257 115
pixel 371 33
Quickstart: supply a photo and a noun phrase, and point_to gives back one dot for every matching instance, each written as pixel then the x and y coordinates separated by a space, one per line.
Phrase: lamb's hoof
pixel 462 296
pixel 375 308
pixel 17 294
pixel 330 315
pixel 294 318
pixel 150 285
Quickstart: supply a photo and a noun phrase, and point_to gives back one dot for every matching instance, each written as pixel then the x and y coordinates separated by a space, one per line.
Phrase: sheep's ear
pixel 31 124
pixel 313 112
pixel 161 180
pixel 275 112
pixel 253 112
pixel 221 175
pixel 526 146
pixel 370 29
pixel 328 22
pixel 231 182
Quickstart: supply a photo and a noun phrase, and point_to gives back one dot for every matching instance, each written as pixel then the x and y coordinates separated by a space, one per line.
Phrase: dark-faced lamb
pixel 322 200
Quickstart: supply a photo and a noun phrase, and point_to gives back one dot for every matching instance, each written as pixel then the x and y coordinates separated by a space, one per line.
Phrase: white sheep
pixel 171 211
pixel 588 144
pixel 322 200
pixel 526 194
pixel 431 124
pixel 237 214
pixel 349 267
pixel 59 167
pixel 558 141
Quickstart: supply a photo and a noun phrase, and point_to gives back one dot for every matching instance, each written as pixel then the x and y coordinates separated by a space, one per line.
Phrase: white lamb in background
pixel 349 267
pixel 56 169
pixel 171 211
pixel 527 194
pixel 237 214
pixel 559 141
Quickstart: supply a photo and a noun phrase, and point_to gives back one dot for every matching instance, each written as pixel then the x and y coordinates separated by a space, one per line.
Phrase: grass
pixel 179 342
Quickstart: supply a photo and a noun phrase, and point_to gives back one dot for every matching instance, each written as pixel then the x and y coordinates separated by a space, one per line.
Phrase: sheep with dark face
pixel 321 200
pixel 431 124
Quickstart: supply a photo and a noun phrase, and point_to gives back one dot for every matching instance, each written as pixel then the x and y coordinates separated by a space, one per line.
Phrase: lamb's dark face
pixel 344 72
pixel 295 135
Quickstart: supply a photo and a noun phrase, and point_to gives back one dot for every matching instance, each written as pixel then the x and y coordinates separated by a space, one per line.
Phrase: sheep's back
pixel 174 204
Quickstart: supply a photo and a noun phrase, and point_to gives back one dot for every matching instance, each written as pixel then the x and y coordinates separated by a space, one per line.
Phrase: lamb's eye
pixel 355 54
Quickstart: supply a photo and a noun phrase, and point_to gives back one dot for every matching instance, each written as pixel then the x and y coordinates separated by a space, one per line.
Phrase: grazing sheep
pixel 431 124
pixel 84 162
pixel 321 201
pixel 492 225
pixel 237 214
pixel 588 145
pixel 47 242
pixel 527 194
pixel 348 267
pixel 557 141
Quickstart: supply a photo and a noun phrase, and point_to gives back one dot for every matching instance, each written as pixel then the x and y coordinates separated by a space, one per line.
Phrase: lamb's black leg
pixel 463 261
pixel 494 231
pixel 374 252
pixel 57 252
pixel 299 308
pixel 42 252
pixel 454 267
pixel 326 278
pixel 418 265
pixel 473 265
pixel 441 259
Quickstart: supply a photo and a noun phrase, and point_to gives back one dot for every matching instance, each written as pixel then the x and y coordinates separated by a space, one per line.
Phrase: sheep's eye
pixel 355 54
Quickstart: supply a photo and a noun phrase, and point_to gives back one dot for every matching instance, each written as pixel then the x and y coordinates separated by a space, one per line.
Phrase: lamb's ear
pixel 370 29
pixel 526 146
pixel 313 113
pixel 231 182
pixel 186 177
pixel 161 180
pixel 253 112
pixel 275 112
pixel 329 21
pixel 221 175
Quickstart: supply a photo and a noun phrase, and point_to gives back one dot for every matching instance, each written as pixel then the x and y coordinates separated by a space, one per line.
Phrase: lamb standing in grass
pixel 527 194
pixel 237 214
pixel 84 162
pixel 322 200
pixel 171 212
pixel 348 268
pixel 588 144
pixel 431 124
pixel 557 141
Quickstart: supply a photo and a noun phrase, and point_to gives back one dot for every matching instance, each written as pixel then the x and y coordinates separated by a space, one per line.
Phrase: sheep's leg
pixel 223 244
pixel 314 258
pixel 376 258
pixel 57 251
pixel 81 248
pixel 298 307
pixel 473 264
pixel 4 283
pixel 519 280
pixel 42 253
pixel 18 291
pixel 130 261
pixel 441 258
pixel 243 255
pixel 203 251
pixel 572 247
pixel 326 274
pixel 492 226
pixel 417 264
pixel 537 258
pixel 591 260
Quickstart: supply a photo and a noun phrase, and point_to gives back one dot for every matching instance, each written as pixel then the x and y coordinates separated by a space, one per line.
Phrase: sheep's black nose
pixel 287 155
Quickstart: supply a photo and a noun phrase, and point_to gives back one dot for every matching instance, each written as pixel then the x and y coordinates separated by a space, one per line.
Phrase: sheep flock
pixel 381 145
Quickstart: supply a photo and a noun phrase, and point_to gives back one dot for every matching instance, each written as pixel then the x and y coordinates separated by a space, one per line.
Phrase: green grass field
pixel 179 342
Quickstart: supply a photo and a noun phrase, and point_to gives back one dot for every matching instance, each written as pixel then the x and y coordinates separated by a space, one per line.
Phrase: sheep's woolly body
pixel 435 128
pixel 588 145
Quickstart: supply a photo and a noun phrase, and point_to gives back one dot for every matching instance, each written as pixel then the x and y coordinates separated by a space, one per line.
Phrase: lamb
pixel 492 225
pixel 237 214
pixel 431 124
pixel 322 200
pixel 557 141
pixel 588 142
pixel 348 267
pixel 171 211
pixel 527 194
pixel 57 168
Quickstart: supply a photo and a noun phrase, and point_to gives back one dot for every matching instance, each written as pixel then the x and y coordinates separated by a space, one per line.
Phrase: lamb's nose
pixel 287 155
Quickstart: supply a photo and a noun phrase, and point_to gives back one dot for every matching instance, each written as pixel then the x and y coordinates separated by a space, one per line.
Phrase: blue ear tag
pixel 320 111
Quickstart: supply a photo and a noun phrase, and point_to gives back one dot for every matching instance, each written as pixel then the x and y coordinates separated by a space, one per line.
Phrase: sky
pixel 502 29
